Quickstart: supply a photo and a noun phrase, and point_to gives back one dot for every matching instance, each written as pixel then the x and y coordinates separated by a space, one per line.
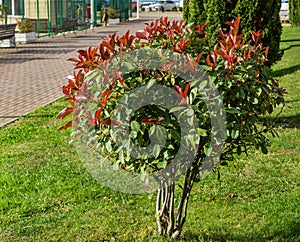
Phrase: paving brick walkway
pixel 32 75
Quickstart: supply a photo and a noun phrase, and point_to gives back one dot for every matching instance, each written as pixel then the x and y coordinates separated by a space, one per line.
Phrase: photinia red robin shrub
pixel 184 102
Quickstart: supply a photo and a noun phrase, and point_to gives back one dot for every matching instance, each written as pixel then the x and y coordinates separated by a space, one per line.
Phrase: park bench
pixel 84 25
pixel 68 25
pixel 7 31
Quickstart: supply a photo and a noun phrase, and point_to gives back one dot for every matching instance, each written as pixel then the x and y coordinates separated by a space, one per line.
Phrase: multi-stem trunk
pixel 169 221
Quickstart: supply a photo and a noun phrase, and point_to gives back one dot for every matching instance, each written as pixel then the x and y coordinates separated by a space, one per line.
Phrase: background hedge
pixel 255 15
pixel 294 12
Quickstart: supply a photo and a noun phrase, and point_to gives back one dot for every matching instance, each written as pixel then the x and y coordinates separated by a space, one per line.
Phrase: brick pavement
pixel 32 75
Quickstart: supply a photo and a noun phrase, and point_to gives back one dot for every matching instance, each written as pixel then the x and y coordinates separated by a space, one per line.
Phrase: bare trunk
pixel 168 224
pixel 158 211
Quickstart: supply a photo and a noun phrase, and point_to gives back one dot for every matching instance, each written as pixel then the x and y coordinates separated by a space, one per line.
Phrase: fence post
pixel 23 9
pixel 38 17
pixel 49 18
pixel 5 16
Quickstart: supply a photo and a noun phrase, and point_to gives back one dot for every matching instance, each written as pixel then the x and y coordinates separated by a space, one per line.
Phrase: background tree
pixel 218 12
pixel 294 12
pixel 3 13
pixel 185 12
pixel 255 15
pixel 195 11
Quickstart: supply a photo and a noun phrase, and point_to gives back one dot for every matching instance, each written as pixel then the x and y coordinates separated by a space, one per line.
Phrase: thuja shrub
pixel 235 67
pixel 255 15
pixel 194 11
pixel 294 12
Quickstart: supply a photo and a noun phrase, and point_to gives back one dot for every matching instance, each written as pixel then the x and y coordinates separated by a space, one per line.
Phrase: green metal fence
pixel 46 14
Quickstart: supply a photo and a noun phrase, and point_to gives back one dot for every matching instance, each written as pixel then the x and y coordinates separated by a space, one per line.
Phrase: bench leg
pixel 13 41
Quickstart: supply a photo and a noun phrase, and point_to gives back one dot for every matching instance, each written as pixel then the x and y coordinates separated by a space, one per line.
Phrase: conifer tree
pixel 294 12
pixel 255 15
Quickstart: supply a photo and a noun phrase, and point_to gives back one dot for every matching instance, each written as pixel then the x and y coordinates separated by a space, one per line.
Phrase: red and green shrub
pixel 238 70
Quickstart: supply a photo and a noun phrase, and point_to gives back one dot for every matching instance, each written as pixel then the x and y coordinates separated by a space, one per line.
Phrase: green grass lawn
pixel 47 195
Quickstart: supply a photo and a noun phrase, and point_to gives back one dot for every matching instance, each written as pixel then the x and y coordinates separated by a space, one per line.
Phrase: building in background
pixel 46 14
pixel 284 10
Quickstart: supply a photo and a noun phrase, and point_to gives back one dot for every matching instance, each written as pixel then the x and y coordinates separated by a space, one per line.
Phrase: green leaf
pixel 258 91
pixel 264 149
pixel 175 135
pixel 232 110
pixel 133 134
pixel 150 83
pixel 162 164
pixel 121 157
pixel 172 80
pixel 160 131
pixel 235 134
pixel 176 108
pixel 202 132
pixel 202 85
pixel 207 149
pixel 156 150
pixel 255 101
pixel 193 95
pixel 135 126
pixel 152 130
pixel 108 146
pixel 190 112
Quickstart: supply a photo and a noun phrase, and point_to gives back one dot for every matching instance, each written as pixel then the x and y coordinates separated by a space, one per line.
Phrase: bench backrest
pixel 7 31
pixel 70 23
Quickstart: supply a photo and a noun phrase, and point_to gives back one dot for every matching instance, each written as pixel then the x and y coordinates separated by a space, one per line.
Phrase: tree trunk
pixel 168 224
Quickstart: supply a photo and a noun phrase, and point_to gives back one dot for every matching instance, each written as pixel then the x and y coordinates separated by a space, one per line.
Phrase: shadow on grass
pixel 289 122
pixel 291 232
pixel 290 47
pixel 286 71
pixel 291 40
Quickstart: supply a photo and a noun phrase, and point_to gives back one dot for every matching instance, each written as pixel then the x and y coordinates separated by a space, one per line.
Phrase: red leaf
pixel 147 121
pixel 222 35
pixel 106 79
pixel 68 125
pixel 82 52
pixel 199 57
pixel 106 93
pixel 110 122
pixel 92 122
pixel 141 34
pixel 74 59
pixel 234 26
pixel 152 120
pixel 267 52
pixel 65 112
pixel 256 35
pixel 178 89
pixel 97 114
pixel 199 29
pixel 106 44
pixel 186 90
pixel 81 98
pixel 211 60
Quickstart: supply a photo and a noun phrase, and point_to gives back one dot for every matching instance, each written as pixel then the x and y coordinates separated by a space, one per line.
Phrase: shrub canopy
pixel 236 68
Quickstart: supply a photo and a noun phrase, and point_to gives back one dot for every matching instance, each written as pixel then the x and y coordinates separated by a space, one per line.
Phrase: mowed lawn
pixel 47 195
